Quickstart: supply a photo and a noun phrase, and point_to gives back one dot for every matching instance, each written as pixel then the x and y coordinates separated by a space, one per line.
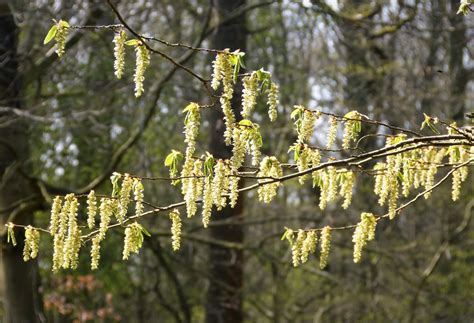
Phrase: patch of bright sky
pixel 333 3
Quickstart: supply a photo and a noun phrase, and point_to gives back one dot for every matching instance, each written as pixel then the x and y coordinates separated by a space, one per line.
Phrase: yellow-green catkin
pixel 273 101
pixel 432 170
pixel 91 209
pixel 249 94
pixel 207 201
pixel 60 37
pixel 255 144
pixel 309 245
pixel 364 232
pixel 138 196
pixel 296 248
pixel 325 246
pixel 217 73
pixel 124 197
pixel 133 240
pixel 32 237
pixel 142 62
pixel 458 155
pixel 332 132
pixel 220 183
pixel 175 229
pixel 347 184
pixel 105 212
pixel 332 183
pixel 55 215
pixel 119 52
pixel 269 167
pixel 239 140
pixel 95 252
pixel 191 131
pixel 194 188
pixel 303 161
pixel 323 182
pixel 233 190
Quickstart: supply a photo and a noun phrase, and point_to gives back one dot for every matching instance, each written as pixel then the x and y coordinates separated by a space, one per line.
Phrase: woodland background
pixel 67 124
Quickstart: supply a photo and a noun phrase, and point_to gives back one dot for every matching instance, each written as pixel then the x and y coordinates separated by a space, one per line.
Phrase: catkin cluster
pixel 133 240
pixel 142 58
pixel 269 167
pixel 364 232
pixel 246 139
pixel 458 155
pixel 66 233
pixel 304 245
pixel 305 158
pixel 352 127
pixel 32 237
pixel 387 186
pixel 328 185
pixel 119 52
pixel 305 122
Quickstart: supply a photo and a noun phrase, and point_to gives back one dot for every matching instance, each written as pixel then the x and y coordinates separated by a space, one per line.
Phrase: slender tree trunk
pixel 459 74
pixel 224 298
pixel 19 293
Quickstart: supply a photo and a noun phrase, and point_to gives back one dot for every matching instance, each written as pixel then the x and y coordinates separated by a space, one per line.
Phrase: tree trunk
pixel 224 298
pixel 459 74
pixel 19 293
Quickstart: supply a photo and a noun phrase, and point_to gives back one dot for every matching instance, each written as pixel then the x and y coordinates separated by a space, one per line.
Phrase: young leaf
pixel 50 35
pixel 132 42
pixel 11 235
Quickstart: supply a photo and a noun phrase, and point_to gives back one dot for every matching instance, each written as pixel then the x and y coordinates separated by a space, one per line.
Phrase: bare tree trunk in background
pixel 224 298
pixel 18 288
pixel 459 74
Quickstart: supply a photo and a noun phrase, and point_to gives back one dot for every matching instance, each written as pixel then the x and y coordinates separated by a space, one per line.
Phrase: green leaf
pixel 50 35
pixel 288 235
pixel 209 165
pixel 64 24
pixel 115 188
pixel 169 159
pixel 296 111
pixel 145 231
pixel 236 70
pixel 132 42
pixel 245 123
pixel 11 234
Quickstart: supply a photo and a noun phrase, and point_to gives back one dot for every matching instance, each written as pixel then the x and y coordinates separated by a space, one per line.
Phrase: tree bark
pixel 19 293
pixel 224 297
